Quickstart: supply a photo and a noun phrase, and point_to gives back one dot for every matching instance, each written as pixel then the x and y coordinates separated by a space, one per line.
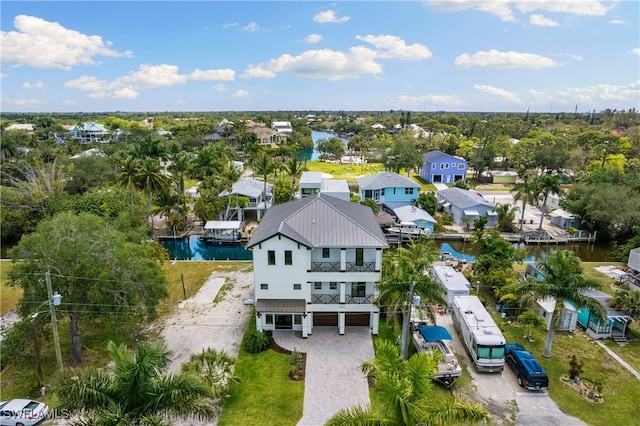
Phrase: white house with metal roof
pixel 282 126
pixel 317 262
pixel 388 188
pixel 412 214
pixel 259 195
pixel 312 183
pixel 465 207
pixel 89 132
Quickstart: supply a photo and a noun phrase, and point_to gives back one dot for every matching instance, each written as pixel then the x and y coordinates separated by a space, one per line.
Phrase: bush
pixel 575 368
pixel 256 341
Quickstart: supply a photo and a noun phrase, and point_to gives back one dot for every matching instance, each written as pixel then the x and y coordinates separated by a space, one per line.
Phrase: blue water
pixel 193 248
pixel 312 154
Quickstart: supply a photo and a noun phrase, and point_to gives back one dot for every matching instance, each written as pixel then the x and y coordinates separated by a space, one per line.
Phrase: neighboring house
pixel 416 215
pixel 388 188
pixel 503 176
pixel 465 207
pixel 268 138
pixel 438 167
pixel 312 183
pixel 317 262
pixel 454 282
pixel 89 132
pixel 377 126
pixel 282 126
pixel 563 219
pixel 634 267
pixel 253 190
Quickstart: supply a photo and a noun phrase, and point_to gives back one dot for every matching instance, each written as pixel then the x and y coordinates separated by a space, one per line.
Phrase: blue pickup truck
pixel 530 373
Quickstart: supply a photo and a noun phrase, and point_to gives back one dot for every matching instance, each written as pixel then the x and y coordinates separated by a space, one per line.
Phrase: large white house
pixel 316 262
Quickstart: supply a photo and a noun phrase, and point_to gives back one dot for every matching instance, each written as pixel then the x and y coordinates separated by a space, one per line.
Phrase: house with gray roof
pixel 89 132
pixel 388 188
pixel 439 167
pixel 465 207
pixel 259 195
pixel 317 182
pixel 412 214
pixel 317 262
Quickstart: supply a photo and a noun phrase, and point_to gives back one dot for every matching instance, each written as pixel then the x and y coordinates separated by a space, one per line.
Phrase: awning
pixel 213 225
pixel 471 213
pixel 433 333
pixel 281 305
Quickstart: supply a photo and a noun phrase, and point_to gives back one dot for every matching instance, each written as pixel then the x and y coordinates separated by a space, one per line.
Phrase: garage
pixel 325 319
pixel 357 319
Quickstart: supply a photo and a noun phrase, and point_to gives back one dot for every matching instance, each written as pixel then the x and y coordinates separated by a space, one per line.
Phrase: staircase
pixel 618 337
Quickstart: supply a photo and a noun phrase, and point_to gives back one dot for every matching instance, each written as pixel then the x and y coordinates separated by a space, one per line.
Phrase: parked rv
pixel 480 335
pixel 530 373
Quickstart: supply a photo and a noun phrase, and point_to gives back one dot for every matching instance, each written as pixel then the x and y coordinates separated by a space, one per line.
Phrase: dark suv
pixel 529 372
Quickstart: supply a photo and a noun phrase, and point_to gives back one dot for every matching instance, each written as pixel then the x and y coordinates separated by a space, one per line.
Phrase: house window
pixel 358 289
pixel 442 166
pixel 368 194
pixel 461 166
pixel 433 166
pixel 333 285
pixel 326 253
pixel 382 192
pixel 394 191
pixel 271 257
pixel 297 319
pixel 268 319
pixel 317 285
pixel 288 257
pixel 453 165
pixel 408 191
pixel 264 286
pixel 297 286
pixel 359 256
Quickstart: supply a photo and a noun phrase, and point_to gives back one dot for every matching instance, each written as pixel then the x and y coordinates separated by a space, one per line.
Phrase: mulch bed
pixel 584 389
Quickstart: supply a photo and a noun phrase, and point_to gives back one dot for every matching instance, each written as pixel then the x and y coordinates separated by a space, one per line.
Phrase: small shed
pixel 504 176
pixel 563 219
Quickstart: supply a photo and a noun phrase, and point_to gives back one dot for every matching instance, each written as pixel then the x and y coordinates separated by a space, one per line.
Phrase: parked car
pixel 530 373
pixel 22 412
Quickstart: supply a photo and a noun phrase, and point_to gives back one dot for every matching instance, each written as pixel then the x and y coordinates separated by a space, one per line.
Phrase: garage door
pixel 325 319
pixel 357 319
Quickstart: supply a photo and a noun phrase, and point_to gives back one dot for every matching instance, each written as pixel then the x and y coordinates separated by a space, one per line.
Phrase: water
pixel 312 154
pixel 193 248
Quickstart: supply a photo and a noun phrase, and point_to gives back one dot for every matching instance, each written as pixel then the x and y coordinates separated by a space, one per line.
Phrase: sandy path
pixel 199 323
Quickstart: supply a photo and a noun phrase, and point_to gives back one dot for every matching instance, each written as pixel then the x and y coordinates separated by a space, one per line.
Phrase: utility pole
pixel 54 320
pixel 406 322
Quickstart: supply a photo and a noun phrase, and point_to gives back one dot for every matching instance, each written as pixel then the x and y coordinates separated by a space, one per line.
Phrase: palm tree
pixel 406 395
pixel 127 176
pixel 527 192
pixel 294 168
pixel 151 180
pixel 548 184
pixel 137 391
pixel 506 216
pixel 215 367
pixel 264 166
pixel 565 282
pixel 628 301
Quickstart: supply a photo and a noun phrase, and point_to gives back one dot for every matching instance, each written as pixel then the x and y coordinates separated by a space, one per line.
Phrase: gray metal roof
pixel 464 199
pixel 385 180
pixel 250 187
pixel 321 221
pixel 432 156
pixel 411 214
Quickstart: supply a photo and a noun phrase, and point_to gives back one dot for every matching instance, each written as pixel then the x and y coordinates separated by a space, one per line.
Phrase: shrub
pixel 256 341
pixel 575 368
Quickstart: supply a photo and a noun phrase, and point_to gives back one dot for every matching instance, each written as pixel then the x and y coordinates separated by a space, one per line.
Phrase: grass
pixel 9 296
pixel 264 394
pixel 348 172
pixel 606 282
pixel 621 390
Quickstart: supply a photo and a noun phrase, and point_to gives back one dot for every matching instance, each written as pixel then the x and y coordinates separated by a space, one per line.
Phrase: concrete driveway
pixel 333 379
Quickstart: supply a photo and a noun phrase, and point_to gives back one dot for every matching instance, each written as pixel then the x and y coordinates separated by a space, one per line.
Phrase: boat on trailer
pixel 407 230
pixel 222 231
pixel 437 338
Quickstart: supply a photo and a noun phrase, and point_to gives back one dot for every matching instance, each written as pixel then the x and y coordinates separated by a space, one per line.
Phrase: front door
pixel 284 322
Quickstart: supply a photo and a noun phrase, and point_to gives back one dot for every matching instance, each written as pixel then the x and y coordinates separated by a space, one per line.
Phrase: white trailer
pixel 453 281
pixel 479 333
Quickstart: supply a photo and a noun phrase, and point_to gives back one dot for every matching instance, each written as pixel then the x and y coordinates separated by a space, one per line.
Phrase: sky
pixel 436 55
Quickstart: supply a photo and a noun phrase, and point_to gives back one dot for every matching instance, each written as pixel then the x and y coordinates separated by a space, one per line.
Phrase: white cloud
pixel 329 17
pixel 251 27
pixel 572 7
pixel 496 59
pixel 500 8
pixel 636 51
pixel 22 103
pixel 390 46
pixel 326 63
pixel 541 21
pixel 145 77
pixel 240 94
pixel 313 38
pixel 496 91
pixel 226 74
pixel 435 102
pixel 229 25
pixel 37 85
pixel 599 93
pixel 616 21
pixel 219 87
pixel 44 45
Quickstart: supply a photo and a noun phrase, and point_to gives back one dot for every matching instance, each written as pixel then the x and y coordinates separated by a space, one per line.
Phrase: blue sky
pixel 451 55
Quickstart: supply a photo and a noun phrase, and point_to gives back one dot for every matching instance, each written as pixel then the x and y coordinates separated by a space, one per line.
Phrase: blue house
pixel 438 167
pixel 388 188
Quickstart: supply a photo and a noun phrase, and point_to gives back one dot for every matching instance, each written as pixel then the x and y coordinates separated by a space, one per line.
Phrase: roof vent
pixel 479 319
pixel 487 331
pixel 314 221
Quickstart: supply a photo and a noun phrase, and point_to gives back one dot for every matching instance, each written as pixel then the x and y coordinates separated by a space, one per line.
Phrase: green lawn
pixel 9 296
pixel 348 172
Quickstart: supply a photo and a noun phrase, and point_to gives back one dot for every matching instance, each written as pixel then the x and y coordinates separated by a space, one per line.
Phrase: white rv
pixel 453 281
pixel 479 333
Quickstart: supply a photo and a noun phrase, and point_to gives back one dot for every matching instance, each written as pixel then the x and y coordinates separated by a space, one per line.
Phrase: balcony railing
pixel 327 299
pixel 363 267
pixel 600 328
pixel 325 267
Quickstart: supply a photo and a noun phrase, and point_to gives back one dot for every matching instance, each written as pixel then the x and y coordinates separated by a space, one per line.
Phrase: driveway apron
pixel 333 379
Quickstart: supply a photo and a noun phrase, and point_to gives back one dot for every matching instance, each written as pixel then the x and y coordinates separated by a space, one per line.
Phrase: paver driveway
pixel 333 379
